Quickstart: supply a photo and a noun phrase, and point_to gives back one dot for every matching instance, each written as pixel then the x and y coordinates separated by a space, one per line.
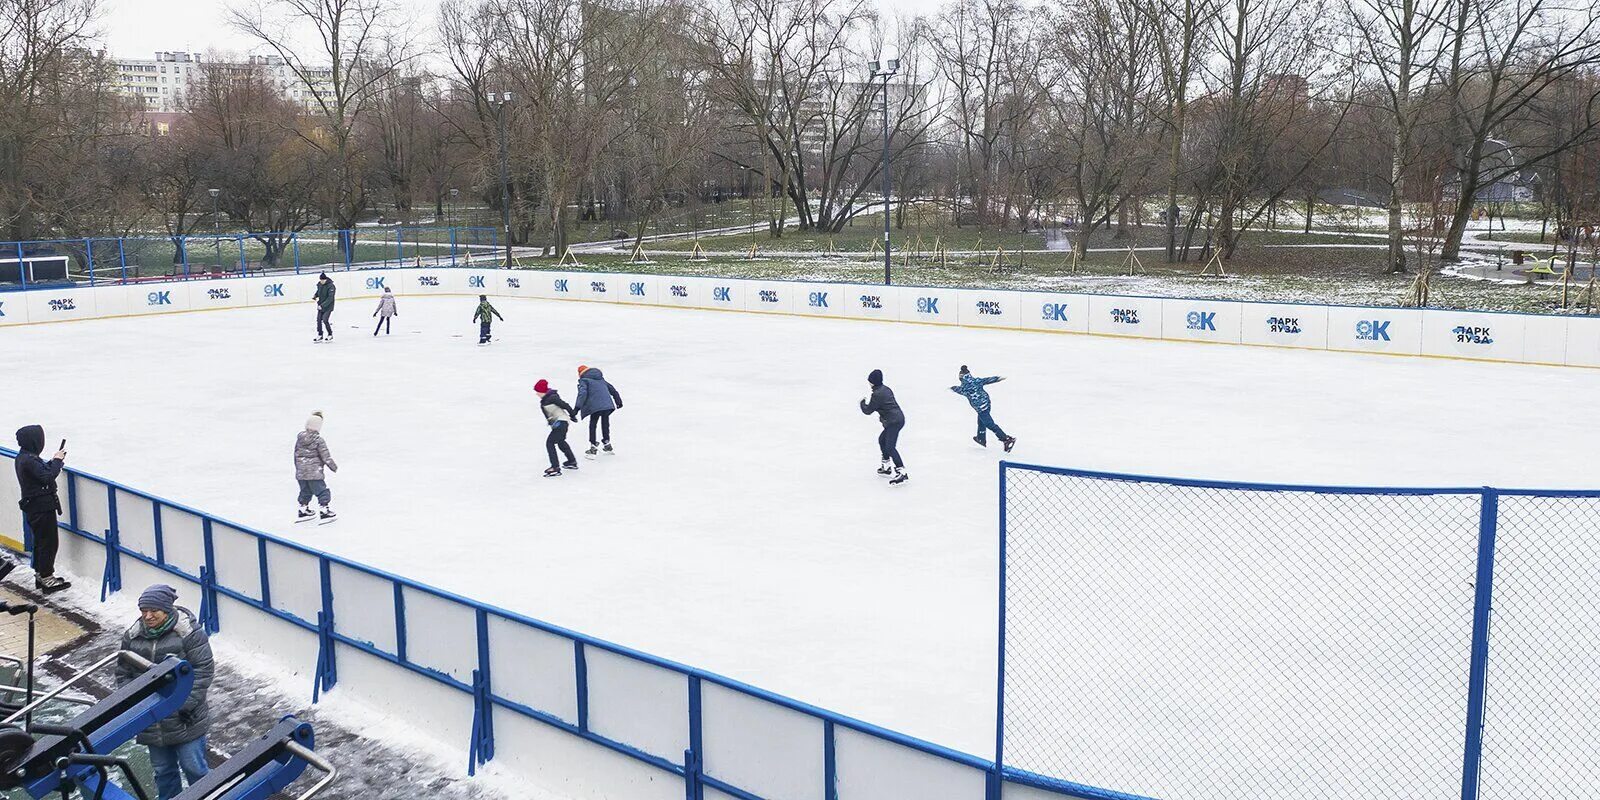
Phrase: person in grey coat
pixel 178 743
pixel 386 311
pixel 310 456
pixel 597 398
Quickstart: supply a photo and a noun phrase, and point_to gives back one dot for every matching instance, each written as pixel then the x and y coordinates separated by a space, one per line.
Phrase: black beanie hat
pixel 875 377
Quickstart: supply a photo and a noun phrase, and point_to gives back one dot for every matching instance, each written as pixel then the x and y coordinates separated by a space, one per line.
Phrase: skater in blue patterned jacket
pixel 971 387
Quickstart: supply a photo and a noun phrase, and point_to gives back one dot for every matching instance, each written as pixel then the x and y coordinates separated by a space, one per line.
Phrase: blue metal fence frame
pixel 481 747
pixel 1483 594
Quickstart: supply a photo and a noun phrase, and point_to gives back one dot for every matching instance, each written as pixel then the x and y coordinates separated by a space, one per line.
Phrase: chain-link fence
pixel 1179 639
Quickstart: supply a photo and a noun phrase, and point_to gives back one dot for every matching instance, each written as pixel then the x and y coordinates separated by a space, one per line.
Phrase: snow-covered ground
pixel 741 528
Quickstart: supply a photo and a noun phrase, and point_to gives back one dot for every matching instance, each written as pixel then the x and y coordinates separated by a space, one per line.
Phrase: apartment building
pixel 163 82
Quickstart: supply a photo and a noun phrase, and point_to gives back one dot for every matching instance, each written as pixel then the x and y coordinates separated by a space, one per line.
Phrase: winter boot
pixel 982 442
pixel 900 476
pixel 1011 441
pixel 883 469
pixel 553 472
pixel 50 584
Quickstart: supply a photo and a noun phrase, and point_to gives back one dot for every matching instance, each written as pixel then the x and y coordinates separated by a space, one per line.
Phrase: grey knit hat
pixel 159 597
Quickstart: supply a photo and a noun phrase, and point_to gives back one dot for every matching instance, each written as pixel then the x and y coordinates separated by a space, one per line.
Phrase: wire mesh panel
pixel 1187 641
pixel 1541 733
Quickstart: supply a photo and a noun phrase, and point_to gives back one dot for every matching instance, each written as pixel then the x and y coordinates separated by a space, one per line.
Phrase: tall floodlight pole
pixel 216 229
pixel 500 105
pixel 890 68
pixel 450 215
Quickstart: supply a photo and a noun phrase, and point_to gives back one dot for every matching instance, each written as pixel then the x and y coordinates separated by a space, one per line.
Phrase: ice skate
pixel 1011 441
pixel 305 514
pixel 982 442
pixel 51 584
pixel 326 516
pixel 591 452
pixel 317 340
pixel 883 469
pixel 900 476
pixel 570 464
pixel 553 472
pixel 607 448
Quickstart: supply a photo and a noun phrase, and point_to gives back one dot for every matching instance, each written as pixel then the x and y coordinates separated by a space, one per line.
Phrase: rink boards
pixel 1486 336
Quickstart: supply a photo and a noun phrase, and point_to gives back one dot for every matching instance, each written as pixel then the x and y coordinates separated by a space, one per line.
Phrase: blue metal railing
pixel 481 688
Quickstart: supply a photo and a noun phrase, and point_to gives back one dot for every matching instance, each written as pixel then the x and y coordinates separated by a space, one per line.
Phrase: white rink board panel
pixel 1375 330
pixel 533 668
pixel 820 299
pixel 237 559
pixel 928 305
pixel 988 309
pixel 600 288
pixel 1583 342
pixel 760 747
pixel 183 539
pixel 640 289
pixel 1201 321
pixel 151 298
pixel 1464 334
pixel 205 295
pixel 136 523
pixel 13 308
pixel 294 579
pixel 1054 312
pixel 869 767
pixel 363 607
pixel 61 305
pixel 441 635
pixel 770 297
pixel 1284 325
pixel 638 704
pixel 279 290
pixel 866 301
pixel 1113 315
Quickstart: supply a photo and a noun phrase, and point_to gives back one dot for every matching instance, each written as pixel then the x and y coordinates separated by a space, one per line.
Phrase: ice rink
pixel 741 527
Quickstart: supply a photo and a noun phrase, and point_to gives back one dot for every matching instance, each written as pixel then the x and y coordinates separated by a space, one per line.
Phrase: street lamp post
pixel 500 104
pixel 449 219
pixel 890 67
pixel 216 230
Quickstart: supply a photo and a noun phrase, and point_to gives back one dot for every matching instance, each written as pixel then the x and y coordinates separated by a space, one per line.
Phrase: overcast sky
pixel 139 28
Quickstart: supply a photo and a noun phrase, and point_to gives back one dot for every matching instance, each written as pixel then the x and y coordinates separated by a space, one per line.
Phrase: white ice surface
pixel 741 529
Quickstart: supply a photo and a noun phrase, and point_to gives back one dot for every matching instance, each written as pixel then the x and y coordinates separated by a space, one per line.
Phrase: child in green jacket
pixel 484 316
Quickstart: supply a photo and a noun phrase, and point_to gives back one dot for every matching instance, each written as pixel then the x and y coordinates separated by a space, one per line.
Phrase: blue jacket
pixel 595 394
pixel 972 388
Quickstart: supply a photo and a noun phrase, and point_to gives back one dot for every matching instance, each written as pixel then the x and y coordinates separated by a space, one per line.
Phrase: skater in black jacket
pixel 325 296
pixel 882 403
pixel 40 505
pixel 560 416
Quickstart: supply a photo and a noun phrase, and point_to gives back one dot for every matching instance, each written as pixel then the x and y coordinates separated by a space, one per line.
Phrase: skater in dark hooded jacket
pixel 484 316
pixel 558 414
pixel 597 398
pixel 40 505
pixel 311 455
pixel 325 294
pixel 971 387
pixel 882 403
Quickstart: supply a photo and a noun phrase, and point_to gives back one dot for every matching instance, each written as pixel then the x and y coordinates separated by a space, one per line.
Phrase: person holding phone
pixel 40 503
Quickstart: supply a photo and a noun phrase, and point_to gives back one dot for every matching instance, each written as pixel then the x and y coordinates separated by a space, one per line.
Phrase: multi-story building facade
pixel 163 83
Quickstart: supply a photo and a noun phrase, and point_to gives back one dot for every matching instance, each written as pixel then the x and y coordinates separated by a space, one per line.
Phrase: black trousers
pixel 46 539
pixel 558 439
pixel 325 321
pixel 602 419
pixel 887 442
pixel 483 331
pixel 383 325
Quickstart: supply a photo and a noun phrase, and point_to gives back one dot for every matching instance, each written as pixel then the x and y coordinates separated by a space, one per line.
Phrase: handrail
pixel 815 712
pixel 133 658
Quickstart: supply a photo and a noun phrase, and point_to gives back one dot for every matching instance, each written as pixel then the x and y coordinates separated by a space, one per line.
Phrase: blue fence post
pixel 482 745
pixel 266 578
pixel 22 266
pixel 1478 673
pixel 692 789
pixel 111 578
pixel 452 247
pixel 400 622
pixel 294 239
pixel 830 763
pixel 400 246
pixel 72 499
pixel 88 250
pixel 208 580
pixel 327 662
pixel 348 239
pixel 184 251
pixel 244 263
pixel 122 259
pixel 161 543
pixel 997 777
pixel 580 664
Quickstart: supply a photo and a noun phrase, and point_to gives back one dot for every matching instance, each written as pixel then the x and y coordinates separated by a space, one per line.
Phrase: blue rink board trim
pixel 689 768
